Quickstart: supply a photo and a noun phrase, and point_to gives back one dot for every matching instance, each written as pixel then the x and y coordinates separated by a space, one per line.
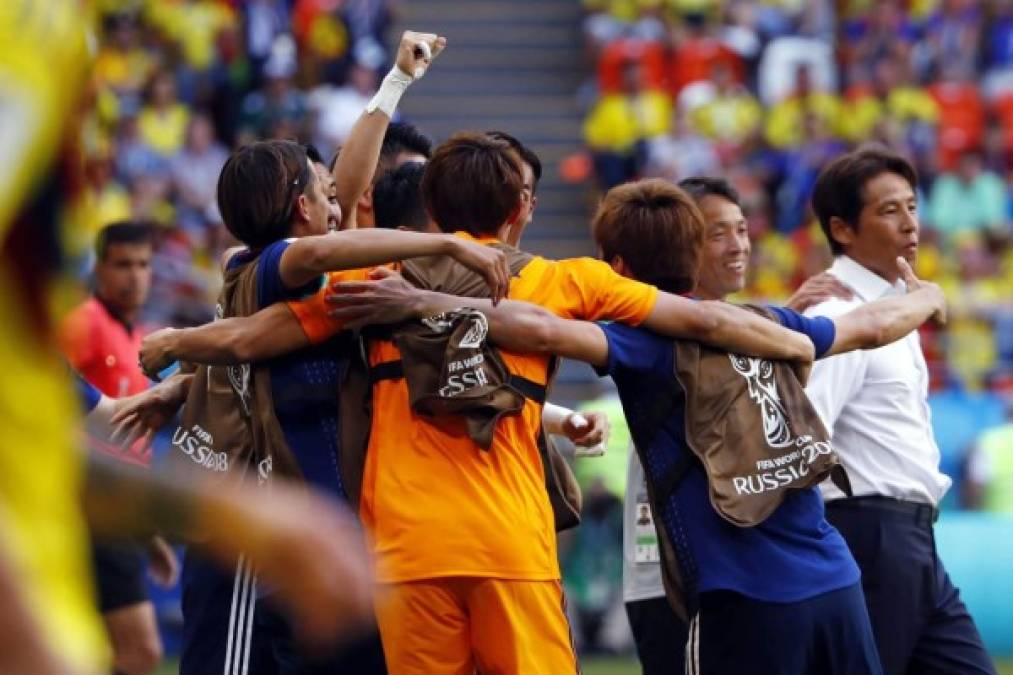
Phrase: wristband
pixel 390 92
pixel 554 416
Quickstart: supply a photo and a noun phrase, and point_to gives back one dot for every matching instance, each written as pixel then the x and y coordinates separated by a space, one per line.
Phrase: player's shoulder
pixel 634 337
pixel 89 311
pixel 581 263
pixel 579 270
pixel 833 307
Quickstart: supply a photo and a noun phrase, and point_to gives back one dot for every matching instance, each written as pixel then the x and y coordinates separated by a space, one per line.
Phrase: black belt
pixel 923 514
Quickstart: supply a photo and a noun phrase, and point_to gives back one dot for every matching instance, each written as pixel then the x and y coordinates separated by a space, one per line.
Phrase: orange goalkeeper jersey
pixel 435 503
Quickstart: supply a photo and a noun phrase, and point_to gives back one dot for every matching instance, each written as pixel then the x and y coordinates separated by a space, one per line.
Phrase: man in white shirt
pixel 874 403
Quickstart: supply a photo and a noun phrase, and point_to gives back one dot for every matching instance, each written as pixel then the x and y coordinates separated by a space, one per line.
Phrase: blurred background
pixel 760 91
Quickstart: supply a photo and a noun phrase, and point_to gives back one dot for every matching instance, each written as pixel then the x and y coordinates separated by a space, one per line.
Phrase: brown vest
pixel 228 424
pixel 750 425
pixel 753 428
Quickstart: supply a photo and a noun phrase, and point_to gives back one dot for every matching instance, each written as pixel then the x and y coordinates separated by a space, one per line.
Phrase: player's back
pixel 436 503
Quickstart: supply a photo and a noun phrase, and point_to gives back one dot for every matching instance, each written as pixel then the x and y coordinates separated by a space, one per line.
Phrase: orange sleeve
pixel 604 295
pixel 311 312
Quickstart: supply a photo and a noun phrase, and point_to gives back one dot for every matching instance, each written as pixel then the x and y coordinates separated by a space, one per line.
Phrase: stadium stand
pixel 765 92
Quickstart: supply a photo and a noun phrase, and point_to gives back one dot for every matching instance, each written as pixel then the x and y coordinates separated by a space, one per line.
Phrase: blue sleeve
pixel 87 393
pixel 635 350
pixel 270 288
pixel 820 329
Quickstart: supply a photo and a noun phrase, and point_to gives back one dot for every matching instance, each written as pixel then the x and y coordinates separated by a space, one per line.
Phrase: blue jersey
pixel 87 394
pixel 304 384
pixel 793 555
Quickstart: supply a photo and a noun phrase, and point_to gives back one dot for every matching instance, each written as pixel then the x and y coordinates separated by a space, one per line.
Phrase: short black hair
pixel 528 155
pixel 397 198
pixel 840 188
pixel 699 187
pixel 402 137
pixel 123 232
pixel 473 183
pixel 258 187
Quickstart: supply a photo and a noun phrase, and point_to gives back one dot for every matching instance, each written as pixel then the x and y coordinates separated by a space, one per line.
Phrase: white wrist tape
pixel 553 417
pixel 390 92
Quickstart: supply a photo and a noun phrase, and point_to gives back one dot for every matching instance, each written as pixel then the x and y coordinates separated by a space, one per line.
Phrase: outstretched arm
pixel 307 258
pixel 271 332
pixel 354 169
pixel 519 326
pixel 306 546
pixel 124 420
pixel 881 322
pixel 725 326
pixel 513 325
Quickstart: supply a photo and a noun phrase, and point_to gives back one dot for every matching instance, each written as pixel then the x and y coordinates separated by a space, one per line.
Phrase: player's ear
pixel 302 207
pixel 620 267
pixel 842 232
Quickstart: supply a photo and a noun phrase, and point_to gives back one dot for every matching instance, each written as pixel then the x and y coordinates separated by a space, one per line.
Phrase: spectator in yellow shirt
pixel 121 64
pixel 733 116
pixel 163 119
pixel 620 123
pixel 785 122
pixel 892 94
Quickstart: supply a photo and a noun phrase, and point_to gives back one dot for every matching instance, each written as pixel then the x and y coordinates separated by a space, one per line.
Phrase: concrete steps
pixel 515 66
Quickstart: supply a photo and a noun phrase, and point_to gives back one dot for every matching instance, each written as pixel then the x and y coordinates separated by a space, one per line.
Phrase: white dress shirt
pixel 874 404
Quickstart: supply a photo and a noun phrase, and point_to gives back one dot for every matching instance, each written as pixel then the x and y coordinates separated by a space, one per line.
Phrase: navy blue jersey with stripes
pixel 792 555
pixel 304 383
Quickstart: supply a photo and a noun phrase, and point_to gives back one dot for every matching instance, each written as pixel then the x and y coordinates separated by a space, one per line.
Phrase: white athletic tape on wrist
pixel 390 92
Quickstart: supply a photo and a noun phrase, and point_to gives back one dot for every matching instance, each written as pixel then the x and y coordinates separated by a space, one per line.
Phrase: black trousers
pixel 228 630
pixel 920 624
pixel 660 636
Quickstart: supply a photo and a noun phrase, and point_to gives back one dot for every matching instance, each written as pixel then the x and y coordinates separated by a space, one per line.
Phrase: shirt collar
pixel 482 239
pixel 129 327
pixel 869 285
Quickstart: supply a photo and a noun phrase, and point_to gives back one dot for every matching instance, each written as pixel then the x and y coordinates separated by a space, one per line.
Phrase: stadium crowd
pixel 766 92
pixel 177 85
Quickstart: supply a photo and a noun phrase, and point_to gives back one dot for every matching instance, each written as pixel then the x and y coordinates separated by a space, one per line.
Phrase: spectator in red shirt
pixel 698 51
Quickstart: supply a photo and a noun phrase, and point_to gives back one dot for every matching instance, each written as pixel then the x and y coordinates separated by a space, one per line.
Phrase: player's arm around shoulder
pixel 886 320
pixel 725 326
pixel 270 332
pixel 514 325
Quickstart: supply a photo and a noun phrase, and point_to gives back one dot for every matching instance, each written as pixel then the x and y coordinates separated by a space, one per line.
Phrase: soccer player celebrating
pixel 489 596
pixel 659 634
pixel 272 199
pixel 810 616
